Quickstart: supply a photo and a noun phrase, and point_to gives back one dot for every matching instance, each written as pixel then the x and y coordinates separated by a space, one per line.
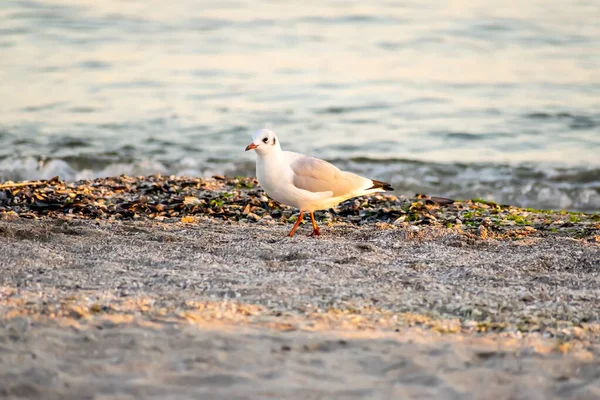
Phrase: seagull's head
pixel 264 142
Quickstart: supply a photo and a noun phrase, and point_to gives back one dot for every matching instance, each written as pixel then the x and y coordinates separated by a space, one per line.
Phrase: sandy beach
pixel 394 303
pixel 141 259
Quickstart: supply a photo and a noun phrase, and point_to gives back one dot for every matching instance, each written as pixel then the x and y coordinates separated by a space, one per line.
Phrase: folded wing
pixel 316 175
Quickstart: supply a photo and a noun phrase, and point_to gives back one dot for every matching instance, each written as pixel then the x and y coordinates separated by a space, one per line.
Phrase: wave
pixel 525 185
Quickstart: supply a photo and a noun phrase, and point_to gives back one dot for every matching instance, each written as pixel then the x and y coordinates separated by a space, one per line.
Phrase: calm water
pixel 499 100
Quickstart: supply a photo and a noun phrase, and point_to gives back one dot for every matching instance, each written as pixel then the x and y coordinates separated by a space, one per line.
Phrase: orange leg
pixel 297 224
pixel 315 231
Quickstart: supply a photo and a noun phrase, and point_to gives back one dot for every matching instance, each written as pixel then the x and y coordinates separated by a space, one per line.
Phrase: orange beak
pixel 251 146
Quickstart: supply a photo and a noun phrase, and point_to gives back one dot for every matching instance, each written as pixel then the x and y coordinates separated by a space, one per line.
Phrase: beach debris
pixel 186 199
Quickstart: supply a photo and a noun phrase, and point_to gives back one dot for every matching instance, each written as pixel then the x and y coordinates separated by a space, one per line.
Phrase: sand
pixel 236 310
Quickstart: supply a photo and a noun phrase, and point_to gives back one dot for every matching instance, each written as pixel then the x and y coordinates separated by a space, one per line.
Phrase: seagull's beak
pixel 251 146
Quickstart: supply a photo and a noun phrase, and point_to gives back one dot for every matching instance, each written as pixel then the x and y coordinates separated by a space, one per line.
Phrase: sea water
pixel 497 100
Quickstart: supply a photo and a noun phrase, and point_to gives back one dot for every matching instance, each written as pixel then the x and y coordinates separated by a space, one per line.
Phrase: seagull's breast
pixel 276 177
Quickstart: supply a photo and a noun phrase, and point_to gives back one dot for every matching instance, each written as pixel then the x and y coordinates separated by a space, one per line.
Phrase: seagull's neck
pixel 274 155
pixel 269 165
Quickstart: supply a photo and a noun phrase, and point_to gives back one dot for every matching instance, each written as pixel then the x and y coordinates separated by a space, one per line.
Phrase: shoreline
pixel 171 199
pixel 211 297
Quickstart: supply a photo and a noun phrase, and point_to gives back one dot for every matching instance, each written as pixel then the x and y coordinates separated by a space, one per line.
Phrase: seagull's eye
pixel 265 140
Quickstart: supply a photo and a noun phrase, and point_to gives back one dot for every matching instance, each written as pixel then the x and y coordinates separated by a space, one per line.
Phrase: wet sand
pixel 235 310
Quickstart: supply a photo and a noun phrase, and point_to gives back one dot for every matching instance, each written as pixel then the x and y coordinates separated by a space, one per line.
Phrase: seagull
pixel 305 182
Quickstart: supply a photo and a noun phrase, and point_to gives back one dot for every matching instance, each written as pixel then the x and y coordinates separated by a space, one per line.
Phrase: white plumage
pixel 305 182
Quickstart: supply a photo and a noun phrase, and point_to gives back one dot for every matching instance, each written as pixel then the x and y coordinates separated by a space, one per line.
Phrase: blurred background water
pixel 499 100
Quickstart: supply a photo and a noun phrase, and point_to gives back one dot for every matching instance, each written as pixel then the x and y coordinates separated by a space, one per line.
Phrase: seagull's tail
pixel 381 185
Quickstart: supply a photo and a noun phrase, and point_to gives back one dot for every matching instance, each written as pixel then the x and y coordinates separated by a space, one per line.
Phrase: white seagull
pixel 305 182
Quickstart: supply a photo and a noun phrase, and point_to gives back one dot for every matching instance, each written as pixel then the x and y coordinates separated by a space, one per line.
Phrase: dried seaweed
pixel 172 199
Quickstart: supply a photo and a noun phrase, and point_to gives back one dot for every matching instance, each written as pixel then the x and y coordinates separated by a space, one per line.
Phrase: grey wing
pixel 316 175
